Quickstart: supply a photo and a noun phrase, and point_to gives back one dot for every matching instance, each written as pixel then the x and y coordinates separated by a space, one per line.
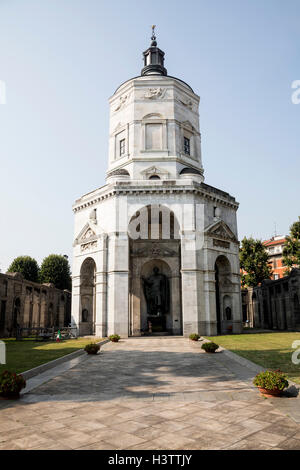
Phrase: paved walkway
pixel 149 393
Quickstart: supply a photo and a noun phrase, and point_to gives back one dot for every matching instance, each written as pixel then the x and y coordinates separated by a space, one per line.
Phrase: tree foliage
pixel 27 266
pixel 254 262
pixel 291 248
pixel 56 269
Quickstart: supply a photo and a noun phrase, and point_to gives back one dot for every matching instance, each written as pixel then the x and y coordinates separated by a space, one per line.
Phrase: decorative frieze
pixel 155 93
pixel 88 246
pixel 221 243
pixel 122 102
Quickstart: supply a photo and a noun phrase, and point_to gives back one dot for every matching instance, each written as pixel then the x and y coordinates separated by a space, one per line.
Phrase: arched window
pixel 228 313
pixel 85 315
pixel 154 177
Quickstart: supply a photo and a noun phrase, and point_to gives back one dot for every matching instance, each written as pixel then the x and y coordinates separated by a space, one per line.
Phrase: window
pixel 276 276
pixel 186 144
pixel 228 313
pixel 122 147
pixel 85 315
pixel 154 177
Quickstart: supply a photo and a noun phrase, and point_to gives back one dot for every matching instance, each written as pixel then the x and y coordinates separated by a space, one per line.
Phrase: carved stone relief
pixel 153 250
pixel 155 93
pixel 186 102
pixel 221 243
pixel 88 246
pixel 122 101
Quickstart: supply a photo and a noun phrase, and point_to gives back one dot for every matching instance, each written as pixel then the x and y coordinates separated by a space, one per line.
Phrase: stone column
pixel 118 284
pixel 191 284
pixel 209 302
pixel 101 289
pixel 76 307
pixel 176 299
pixel 236 305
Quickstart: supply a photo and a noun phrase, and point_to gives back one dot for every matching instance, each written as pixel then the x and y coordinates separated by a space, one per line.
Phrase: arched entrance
pixel 87 297
pixel 223 288
pixel 156 287
pixel 155 279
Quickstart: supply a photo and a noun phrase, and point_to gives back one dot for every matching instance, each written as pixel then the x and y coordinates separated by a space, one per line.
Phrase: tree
pixel 291 248
pixel 27 266
pixel 56 269
pixel 254 262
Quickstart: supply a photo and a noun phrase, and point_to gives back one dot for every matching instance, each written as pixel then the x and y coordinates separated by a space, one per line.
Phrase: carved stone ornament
pixel 155 93
pixel 221 243
pixel 187 103
pixel 227 284
pixel 220 230
pixel 122 101
pixel 147 250
pixel 88 246
pixel 88 234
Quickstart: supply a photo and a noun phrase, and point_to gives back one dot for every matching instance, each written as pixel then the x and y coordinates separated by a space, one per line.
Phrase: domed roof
pixel 190 171
pixel 154 65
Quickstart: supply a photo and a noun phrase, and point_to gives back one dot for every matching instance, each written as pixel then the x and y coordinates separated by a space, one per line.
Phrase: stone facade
pixel 275 304
pixel 29 304
pixel 155 163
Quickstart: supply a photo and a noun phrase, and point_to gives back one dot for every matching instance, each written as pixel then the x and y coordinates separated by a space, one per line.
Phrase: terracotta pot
pixel 270 393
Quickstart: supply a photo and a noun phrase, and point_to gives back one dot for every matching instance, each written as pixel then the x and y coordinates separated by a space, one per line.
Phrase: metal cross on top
pixel 153 32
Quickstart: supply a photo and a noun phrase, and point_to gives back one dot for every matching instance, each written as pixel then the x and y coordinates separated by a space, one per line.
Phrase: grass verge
pixel 26 354
pixel 269 350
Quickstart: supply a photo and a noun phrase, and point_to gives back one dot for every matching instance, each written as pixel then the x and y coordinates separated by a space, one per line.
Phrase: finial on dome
pixel 153 37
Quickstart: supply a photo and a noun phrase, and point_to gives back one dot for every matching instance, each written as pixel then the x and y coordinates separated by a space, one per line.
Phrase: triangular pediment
pixel 86 234
pixel 220 230
pixel 188 125
pixel 154 170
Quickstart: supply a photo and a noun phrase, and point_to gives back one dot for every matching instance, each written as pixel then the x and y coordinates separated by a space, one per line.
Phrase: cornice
pixel 149 187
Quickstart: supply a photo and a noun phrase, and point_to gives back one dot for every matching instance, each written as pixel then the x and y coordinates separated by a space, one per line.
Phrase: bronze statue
pixel 156 290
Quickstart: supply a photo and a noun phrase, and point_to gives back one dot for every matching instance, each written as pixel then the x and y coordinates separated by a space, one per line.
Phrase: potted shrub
pixel 271 383
pixel 210 347
pixel 92 348
pixel 114 338
pixel 11 384
pixel 194 336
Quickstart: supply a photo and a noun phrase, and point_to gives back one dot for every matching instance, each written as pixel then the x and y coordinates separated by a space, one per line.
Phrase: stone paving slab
pixel 149 393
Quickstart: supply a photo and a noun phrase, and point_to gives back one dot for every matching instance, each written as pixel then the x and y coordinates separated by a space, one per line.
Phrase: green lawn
pixel 26 354
pixel 270 350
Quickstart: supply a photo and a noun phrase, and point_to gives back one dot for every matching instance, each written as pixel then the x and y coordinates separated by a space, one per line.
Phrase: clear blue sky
pixel 62 59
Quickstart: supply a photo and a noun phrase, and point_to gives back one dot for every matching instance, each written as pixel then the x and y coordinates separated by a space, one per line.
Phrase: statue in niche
pixel 157 294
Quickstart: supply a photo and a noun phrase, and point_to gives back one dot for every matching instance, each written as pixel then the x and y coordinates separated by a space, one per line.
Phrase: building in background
pixel 275 304
pixel 274 247
pixel 26 304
